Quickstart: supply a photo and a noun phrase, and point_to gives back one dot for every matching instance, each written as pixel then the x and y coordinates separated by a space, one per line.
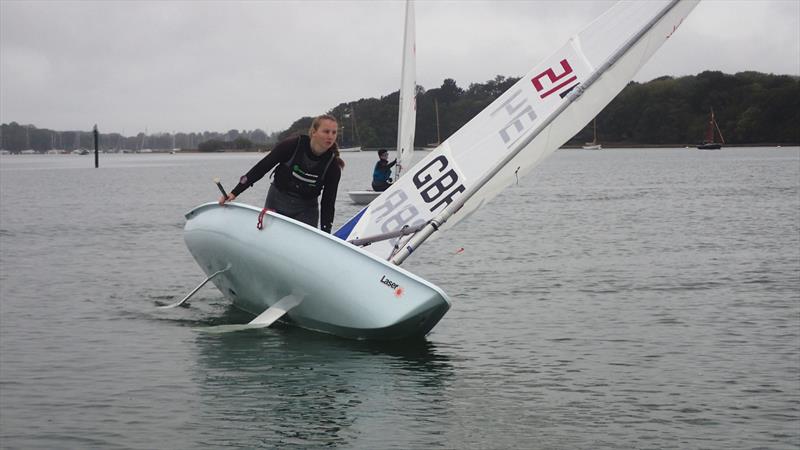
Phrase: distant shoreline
pixel 606 146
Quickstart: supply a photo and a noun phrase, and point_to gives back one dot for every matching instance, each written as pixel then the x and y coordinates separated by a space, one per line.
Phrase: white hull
pixel 363 197
pixel 344 290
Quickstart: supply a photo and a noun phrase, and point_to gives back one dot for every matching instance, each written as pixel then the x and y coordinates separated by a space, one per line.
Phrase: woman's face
pixel 323 137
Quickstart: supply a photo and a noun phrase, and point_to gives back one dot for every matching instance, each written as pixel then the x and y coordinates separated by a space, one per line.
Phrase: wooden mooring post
pixel 96 147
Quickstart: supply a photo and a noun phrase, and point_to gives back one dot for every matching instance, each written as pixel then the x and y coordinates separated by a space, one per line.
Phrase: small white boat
pixel 363 197
pixel 331 285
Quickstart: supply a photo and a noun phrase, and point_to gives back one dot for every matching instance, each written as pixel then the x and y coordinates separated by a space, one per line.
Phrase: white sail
pixel 545 108
pixel 407 108
pixel 407 114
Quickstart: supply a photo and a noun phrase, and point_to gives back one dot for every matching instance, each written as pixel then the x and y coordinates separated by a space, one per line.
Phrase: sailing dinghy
pixel 407 115
pixel 332 286
pixel 351 285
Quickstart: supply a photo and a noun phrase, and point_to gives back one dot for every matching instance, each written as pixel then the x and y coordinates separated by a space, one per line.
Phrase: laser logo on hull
pixel 398 291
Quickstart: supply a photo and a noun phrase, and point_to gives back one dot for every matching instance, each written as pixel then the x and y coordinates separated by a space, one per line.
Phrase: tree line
pixel 16 138
pixel 750 107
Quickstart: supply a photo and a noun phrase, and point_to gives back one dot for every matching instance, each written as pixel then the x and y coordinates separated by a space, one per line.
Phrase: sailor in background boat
pixel 305 167
pixel 382 175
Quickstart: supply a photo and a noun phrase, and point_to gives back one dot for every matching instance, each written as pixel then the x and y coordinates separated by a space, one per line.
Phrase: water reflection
pixel 288 386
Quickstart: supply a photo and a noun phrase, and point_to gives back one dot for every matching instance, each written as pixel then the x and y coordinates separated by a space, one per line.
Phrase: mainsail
pixel 711 128
pixel 520 128
pixel 407 108
pixel 407 114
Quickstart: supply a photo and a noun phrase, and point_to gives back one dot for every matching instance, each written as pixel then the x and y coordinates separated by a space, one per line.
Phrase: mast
pixel 341 135
pixel 434 224
pixel 710 128
pixel 436 109
pixel 406 114
pixel 716 125
pixel 353 123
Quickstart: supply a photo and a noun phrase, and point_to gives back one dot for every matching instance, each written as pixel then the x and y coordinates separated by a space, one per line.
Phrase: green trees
pixel 212 145
pixel 751 108
pixel 16 138
pixel 218 145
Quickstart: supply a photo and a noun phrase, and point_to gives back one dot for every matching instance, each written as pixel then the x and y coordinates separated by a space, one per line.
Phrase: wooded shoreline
pixel 751 108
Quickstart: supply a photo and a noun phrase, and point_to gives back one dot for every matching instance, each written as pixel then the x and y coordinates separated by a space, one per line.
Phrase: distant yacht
pixel 352 117
pixel 593 145
pixel 711 130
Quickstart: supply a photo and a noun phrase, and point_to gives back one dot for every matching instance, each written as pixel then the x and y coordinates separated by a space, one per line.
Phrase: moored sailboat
pixel 438 130
pixel 712 129
pixel 593 145
pixel 351 148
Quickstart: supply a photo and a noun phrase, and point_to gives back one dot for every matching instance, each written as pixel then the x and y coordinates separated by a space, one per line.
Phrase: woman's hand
pixel 229 198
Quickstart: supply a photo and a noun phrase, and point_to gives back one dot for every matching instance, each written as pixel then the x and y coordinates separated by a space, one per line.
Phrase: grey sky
pixel 211 65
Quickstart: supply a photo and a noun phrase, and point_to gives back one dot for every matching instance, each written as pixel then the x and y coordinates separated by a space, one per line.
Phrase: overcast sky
pixel 212 65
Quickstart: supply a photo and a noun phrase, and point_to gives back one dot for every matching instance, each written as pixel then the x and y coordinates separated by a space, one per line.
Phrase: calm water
pixel 613 299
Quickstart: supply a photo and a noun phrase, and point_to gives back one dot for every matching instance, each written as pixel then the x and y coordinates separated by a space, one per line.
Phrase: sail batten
pixel 524 125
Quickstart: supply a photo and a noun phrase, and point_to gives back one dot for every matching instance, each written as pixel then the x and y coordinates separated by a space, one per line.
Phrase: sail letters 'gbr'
pixel 558 80
pixel 436 184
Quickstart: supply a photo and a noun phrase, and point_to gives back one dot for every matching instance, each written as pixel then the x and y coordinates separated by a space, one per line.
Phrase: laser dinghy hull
pixel 343 290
